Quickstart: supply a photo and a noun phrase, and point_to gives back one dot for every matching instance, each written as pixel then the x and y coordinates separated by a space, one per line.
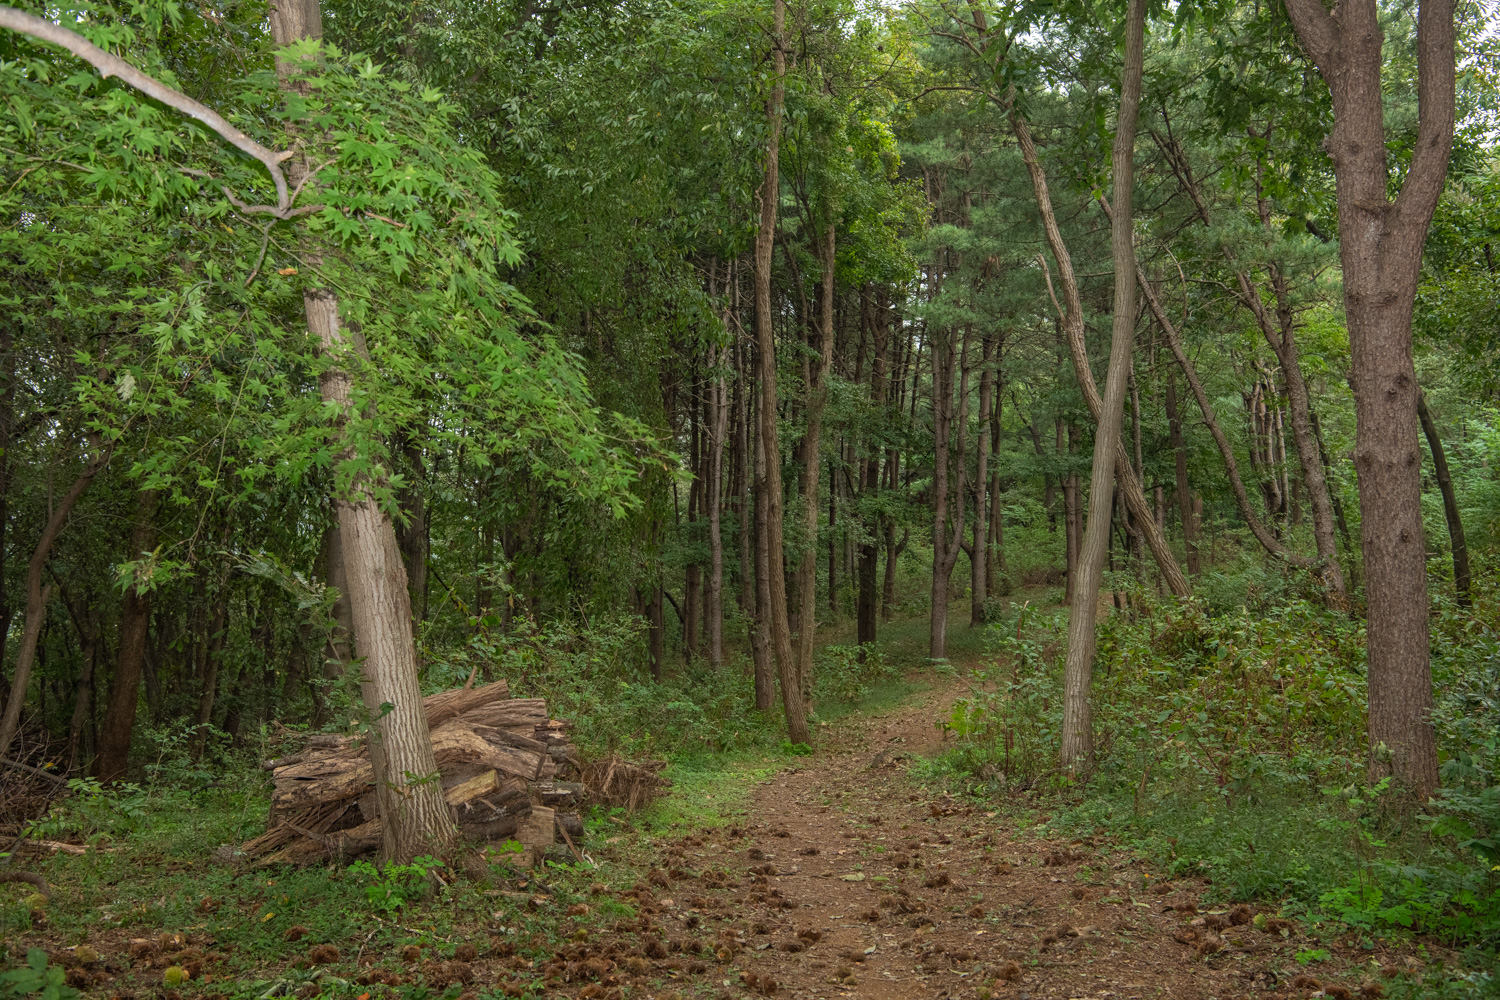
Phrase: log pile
pixel 500 759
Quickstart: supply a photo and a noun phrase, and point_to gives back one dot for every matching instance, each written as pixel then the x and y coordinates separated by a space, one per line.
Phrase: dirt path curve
pixel 849 881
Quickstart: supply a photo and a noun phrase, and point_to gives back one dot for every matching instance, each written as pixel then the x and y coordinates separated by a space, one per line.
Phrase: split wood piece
pixel 316 818
pixel 447 705
pixel 561 794
pixel 518 715
pixel 537 832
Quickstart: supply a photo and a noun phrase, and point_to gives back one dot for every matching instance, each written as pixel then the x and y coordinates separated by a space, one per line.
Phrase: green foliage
pixel 848 674
pixel 36 979
pixel 391 886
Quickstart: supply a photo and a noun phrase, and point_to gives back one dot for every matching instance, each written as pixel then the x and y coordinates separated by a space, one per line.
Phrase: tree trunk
pixel 125 686
pixel 714 611
pixel 765 237
pixel 867 612
pixel 1071 527
pixel 949 365
pixel 213 647
pixel 1077 730
pixel 1072 323
pixel 760 621
pixel 1380 248
pixel 37 596
pixel 817 399
pixel 1184 493
pixel 415 819
pixel 978 556
pixel 1450 502
pixel 1338 505
pixel 415 538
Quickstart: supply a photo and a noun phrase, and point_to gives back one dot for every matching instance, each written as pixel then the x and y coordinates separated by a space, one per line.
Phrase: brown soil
pixel 850 881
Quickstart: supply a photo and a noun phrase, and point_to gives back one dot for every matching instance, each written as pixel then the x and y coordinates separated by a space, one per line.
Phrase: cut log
pixel 487 783
pixel 450 704
pixel 537 832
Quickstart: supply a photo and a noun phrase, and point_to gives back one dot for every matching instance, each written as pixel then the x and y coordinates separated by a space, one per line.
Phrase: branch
pixel 1435 110
pixel 1318 32
pixel 110 65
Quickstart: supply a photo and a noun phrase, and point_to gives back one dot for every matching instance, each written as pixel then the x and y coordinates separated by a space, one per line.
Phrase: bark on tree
pixel 949 364
pixel 1072 322
pixel 868 601
pixel 415 819
pixel 37 595
pixel 1380 247
pixel 1184 492
pixel 213 646
pixel 1279 332
pixel 817 399
pixel 125 686
pixel 978 554
pixel 1077 750
pixel 1456 537
pixel 765 238
pixel 760 621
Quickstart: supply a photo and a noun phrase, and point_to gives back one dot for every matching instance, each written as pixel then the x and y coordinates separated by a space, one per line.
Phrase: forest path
pixel 860 883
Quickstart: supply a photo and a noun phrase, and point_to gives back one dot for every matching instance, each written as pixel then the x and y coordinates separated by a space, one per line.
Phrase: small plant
pixel 36 978
pixel 392 887
pixel 847 674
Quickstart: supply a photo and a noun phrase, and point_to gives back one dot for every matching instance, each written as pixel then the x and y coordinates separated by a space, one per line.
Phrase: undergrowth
pixel 1231 747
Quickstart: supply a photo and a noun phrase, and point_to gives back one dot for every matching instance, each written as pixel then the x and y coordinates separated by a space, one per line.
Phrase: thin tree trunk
pixel 1226 452
pixel 817 399
pixel 1071 517
pixel 213 647
pixel 714 503
pixel 125 686
pixel 37 595
pixel 949 365
pixel 760 622
pixel 1450 502
pixel 867 612
pixel 978 556
pixel 1184 493
pixel 415 532
pixel 1072 323
pixel 1077 749
pixel 1338 505
pixel 765 237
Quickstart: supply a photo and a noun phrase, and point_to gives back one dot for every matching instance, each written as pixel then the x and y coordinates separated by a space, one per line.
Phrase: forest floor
pixel 847 879
pixel 839 873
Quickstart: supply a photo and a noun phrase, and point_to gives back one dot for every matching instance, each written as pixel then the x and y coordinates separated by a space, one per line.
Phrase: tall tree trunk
pixel 978 555
pixel 765 238
pixel 868 601
pixel 713 502
pixel 949 366
pixel 1231 467
pixel 1072 527
pixel 1077 750
pixel 415 819
pixel 213 649
pixel 1380 247
pixel 1072 324
pixel 760 621
pixel 415 537
pixel 817 399
pixel 1184 493
pixel 1450 502
pixel 692 573
pixel 1338 505
pixel 37 595
pixel 125 686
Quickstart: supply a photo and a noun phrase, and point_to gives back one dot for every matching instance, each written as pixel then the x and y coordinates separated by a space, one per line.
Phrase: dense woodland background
pixel 541 220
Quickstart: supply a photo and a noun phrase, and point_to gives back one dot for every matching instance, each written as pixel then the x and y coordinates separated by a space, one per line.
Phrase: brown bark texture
pixel 1380 248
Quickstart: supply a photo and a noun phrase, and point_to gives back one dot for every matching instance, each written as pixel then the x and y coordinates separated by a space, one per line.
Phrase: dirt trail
pixel 849 881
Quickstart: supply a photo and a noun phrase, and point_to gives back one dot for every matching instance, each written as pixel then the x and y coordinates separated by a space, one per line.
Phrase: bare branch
pixel 110 65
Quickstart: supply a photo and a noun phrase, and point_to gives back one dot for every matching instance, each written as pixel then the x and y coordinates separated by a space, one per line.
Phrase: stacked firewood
pixel 500 759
